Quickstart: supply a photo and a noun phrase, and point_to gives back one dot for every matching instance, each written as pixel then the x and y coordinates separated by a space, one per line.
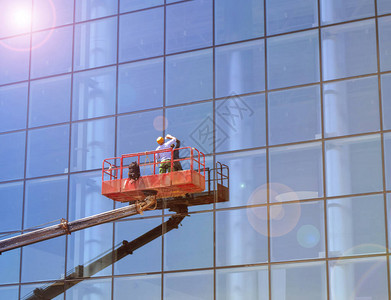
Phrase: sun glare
pixel 20 18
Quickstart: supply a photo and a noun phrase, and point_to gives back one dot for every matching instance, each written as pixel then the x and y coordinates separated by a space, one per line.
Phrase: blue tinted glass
pixel 52 52
pixel 47 151
pixel 51 194
pixel 351 106
pixel 345 46
pixel 385 43
pixel 294 115
pixel 240 123
pixel 9 292
pixel 140 85
pixel 189 77
pixel 11 205
pixel 286 15
pixel 237 21
pixel 91 9
pixel 95 288
pixel 92 142
pixel 353 165
pixel 52 13
pixel 94 93
pixel 387 157
pixel 189 25
pixel 193 125
pixel 10 266
pixel 27 290
pixel 293 59
pixel 296 172
pixel 141 34
pixel 14 59
pixel 95 44
pixel 50 101
pixel 129 5
pixel 334 11
pixel 13 107
pixel 140 287
pixel 386 100
pixel 383 7
pixel 240 68
pixel 15 17
pixel 138 132
pixel 12 155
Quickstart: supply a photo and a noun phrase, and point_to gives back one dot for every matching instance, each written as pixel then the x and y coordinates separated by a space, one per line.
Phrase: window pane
pixel 353 165
pixel 52 13
pixel 9 292
pixel 129 5
pixel 345 46
pixel 383 7
pixel 91 9
pixel 296 172
pixel 358 278
pixel 12 155
pixel 300 281
pixel 240 68
pixel 11 205
pixel 48 193
pixel 294 115
pixel 95 44
pixel 293 59
pixel 27 290
pixel 13 107
pixel 10 266
pixel 241 236
pixel 240 123
pixel 387 157
pixel 334 11
pixel 94 93
pixel 52 52
pixel 385 43
pixel 189 77
pixel 286 15
pixel 50 101
pixel 386 100
pixel 140 85
pixel 237 21
pixel 141 34
pixel 351 106
pixel 140 287
pixel 189 25
pixel 91 289
pixel 47 151
pixel 14 59
pixel 92 142
pixel 299 225
pixel 15 17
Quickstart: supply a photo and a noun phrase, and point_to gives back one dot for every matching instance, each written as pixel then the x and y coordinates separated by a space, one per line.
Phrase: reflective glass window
pixel 189 25
pixel 10 266
pixel 11 205
pixel 51 52
pixel 92 142
pixel 46 200
pixel 9 292
pixel 95 44
pixel 285 15
pixel 385 43
pixel 386 100
pixel 50 101
pixel 334 11
pixel 296 172
pixel 13 107
pixel 189 77
pixel 250 283
pixel 197 285
pixel 294 115
pixel 140 287
pixel 129 5
pixel 387 157
pixel 383 7
pixel 15 17
pixel 299 281
pixel 140 85
pixel 87 289
pixel 52 13
pixel 349 50
pixel 191 246
pixel 91 9
pixel 240 68
pixel 235 21
pixel 12 155
pixel 146 259
pixel 362 278
pixel 44 260
pixel 47 151
pixel 241 236
pixel 141 34
pixel 351 106
pixel 293 59
pixel 94 93
pixel 14 59
pixel 299 225
pixel 353 165
pixel 192 125
pixel 240 123
pixel 27 290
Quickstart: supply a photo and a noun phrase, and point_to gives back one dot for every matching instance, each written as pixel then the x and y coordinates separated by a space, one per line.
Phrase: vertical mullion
pixel 214 142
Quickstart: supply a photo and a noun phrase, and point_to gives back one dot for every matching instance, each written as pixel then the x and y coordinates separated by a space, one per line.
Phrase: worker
pixel 165 157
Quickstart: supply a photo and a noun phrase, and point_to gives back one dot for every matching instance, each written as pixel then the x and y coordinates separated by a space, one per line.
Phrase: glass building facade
pixel 293 95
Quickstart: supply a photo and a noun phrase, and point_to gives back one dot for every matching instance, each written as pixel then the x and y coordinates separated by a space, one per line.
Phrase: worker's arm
pixel 172 141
